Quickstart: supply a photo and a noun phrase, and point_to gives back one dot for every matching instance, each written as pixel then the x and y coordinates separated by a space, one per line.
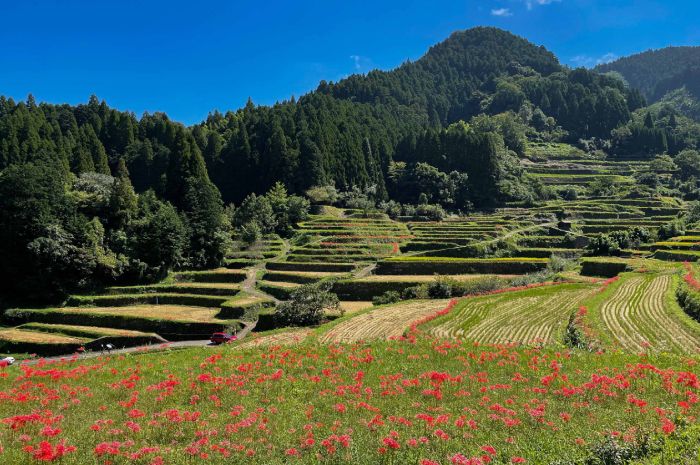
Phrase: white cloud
pixel 361 63
pixel 531 3
pixel 501 12
pixel 588 61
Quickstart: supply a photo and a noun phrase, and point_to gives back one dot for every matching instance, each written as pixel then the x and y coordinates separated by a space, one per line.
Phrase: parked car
pixel 7 361
pixel 222 338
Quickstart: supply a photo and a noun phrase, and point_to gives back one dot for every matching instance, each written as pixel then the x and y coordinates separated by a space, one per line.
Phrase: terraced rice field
pixel 430 277
pixel 161 312
pixel 382 323
pixel 354 307
pixel 639 314
pixel 282 338
pixel 94 331
pixel 37 337
pixel 535 316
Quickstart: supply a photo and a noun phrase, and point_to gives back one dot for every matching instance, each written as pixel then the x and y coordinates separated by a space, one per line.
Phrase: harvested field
pixel 383 322
pixel 353 307
pixel 37 337
pixel 638 316
pixel 283 338
pixel 159 312
pixel 535 316
pixel 88 331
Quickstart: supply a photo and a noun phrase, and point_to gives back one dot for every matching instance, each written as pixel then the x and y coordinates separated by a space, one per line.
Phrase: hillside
pixel 94 196
pixel 645 71
pixel 668 77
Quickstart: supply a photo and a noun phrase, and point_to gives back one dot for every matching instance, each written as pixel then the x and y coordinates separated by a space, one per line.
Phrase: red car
pixel 222 338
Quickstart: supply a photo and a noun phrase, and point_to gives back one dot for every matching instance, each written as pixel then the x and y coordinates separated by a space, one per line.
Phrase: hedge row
pixel 602 268
pixel 166 328
pixel 173 289
pixel 235 308
pixel 430 265
pixel 366 290
pixel 689 300
pixel 288 277
pixel 423 246
pixel 210 276
pixel 278 292
pixel 538 252
pixel 43 350
pixel 305 266
pixel 677 255
pixel 674 245
pixel 332 258
pixel 147 299
pixel 238 263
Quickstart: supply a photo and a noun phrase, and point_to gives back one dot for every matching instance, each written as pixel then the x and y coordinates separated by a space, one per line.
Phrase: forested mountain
pixel 90 195
pixel 346 133
pixel 646 71
pixel 669 76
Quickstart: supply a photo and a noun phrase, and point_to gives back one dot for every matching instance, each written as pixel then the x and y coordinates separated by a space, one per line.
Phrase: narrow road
pixel 138 349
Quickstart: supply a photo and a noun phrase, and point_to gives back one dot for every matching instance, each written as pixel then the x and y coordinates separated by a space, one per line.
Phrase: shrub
pixel 389 297
pixel 441 288
pixel 557 264
pixel 688 300
pixel 307 305
pixel 604 269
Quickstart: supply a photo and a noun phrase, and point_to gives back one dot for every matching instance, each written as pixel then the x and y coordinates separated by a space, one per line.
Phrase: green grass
pixel 531 317
pixel 271 400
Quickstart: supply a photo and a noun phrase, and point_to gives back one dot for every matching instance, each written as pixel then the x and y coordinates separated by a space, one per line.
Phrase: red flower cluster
pixel 689 278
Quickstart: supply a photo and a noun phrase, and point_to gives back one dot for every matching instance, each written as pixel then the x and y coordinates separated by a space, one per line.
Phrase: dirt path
pixel 249 284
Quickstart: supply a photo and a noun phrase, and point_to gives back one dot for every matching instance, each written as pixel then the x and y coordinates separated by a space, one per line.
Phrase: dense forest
pixel 669 77
pixel 644 71
pixel 90 195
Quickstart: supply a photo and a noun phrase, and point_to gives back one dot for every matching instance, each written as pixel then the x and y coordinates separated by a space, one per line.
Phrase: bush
pixel 689 301
pixel 604 269
pixel 441 288
pixel 557 264
pixel 389 297
pixel 307 305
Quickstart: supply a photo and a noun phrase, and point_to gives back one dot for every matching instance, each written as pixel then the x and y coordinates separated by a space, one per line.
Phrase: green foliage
pixel 275 212
pixel 652 70
pixel 307 305
pixel 389 297
pixel 614 242
pixel 688 162
pixel 689 300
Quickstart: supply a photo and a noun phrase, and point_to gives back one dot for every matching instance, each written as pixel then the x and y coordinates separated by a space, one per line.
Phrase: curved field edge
pixel 458 321
pixel 671 309
pixel 535 404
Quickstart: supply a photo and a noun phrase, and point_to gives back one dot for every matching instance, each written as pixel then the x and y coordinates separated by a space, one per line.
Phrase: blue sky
pixel 189 57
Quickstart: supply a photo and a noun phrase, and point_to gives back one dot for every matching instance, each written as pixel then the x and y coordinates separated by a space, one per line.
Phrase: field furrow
pixel 382 323
pixel 282 339
pixel 537 316
pixel 637 317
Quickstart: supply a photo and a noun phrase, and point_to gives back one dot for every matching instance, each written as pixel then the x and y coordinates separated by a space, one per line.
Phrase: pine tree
pixel 124 202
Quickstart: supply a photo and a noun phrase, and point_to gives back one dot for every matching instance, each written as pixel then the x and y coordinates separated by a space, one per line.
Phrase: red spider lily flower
pixel 517 460
pixel 48 452
pixel 391 443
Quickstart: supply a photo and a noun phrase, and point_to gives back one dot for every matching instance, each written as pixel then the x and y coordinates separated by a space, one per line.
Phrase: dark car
pixel 222 338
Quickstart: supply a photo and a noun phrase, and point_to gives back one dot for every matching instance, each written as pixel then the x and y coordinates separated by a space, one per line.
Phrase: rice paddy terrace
pixel 369 255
